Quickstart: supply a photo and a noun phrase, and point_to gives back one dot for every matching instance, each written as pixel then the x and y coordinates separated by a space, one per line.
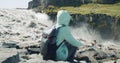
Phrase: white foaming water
pixel 88 35
pixel 44 18
pixel 85 33
pixel 18 21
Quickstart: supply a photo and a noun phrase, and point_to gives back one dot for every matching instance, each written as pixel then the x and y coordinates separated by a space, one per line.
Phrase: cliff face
pixel 34 3
pixel 108 1
pixel 107 26
pixel 45 3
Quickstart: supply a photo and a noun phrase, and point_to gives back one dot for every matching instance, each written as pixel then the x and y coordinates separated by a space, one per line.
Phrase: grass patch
pixel 109 9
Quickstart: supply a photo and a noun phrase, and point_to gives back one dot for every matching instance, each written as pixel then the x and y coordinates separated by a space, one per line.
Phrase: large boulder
pixel 9 55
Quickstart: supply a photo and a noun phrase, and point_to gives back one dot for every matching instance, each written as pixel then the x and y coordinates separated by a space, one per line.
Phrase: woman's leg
pixel 72 51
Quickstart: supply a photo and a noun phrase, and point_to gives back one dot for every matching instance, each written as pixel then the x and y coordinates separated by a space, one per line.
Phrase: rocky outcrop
pixel 108 26
pixel 96 53
pixel 108 1
pixel 9 55
pixel 99 53
pixel 34 3
pixel 45 3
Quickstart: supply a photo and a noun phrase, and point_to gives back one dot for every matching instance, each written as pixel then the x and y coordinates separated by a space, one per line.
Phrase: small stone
pixel 32 25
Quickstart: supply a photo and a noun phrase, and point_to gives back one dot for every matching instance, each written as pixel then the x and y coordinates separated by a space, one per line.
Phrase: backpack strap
pixel 60 44
pixel 63 40
pixel 60 26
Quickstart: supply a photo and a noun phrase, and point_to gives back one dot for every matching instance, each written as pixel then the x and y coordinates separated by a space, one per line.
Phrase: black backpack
pixel 48 45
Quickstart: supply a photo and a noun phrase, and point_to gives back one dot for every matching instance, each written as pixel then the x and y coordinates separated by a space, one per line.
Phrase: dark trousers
pixel 72 50
pixel 71 53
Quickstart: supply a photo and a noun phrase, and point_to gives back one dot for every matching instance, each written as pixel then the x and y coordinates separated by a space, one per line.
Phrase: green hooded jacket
pixel 63 18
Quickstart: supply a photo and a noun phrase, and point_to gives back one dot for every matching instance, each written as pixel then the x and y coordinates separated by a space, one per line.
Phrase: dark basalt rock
pixel 45 3
pixel 9 55
pixel 9 45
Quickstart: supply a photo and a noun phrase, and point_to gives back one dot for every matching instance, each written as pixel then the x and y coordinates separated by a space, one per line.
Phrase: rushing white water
pixel 85 33
pixel 19 25
pixel 88 35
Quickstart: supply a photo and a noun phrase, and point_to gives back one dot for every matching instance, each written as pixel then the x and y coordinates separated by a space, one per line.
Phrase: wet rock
pixel 1 15
pixel 32 25
pixel 26 36
pixel 9 45
pixel 18 21
pixel 28 45
pixel 22 52
pixel 41 28
pixel 86 56
pixel 7 27
pixel 9 55
pixel 6 33
pixel 33 50
pixel 42 24
pixel 37 58
pixel 13 20
pixel 98 54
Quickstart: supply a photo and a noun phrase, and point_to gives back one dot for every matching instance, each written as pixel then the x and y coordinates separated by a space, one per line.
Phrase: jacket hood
pixel 63 17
